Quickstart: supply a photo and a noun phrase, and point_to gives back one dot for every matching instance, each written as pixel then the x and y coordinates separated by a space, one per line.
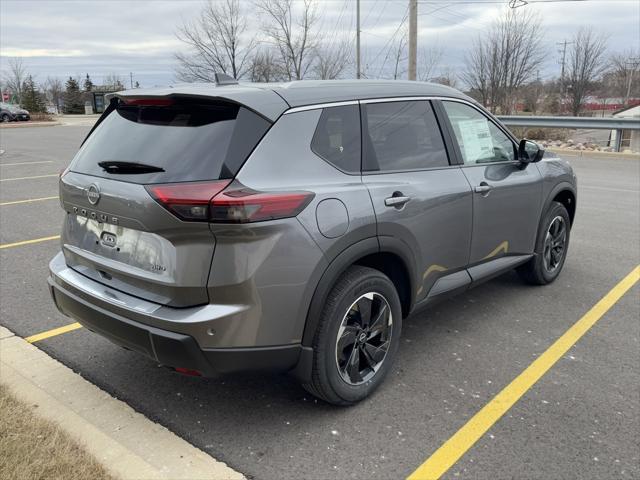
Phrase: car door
pixel 418 196
pixel 507 194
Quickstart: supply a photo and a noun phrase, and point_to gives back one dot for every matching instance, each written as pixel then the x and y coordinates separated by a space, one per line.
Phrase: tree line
pixel 68 96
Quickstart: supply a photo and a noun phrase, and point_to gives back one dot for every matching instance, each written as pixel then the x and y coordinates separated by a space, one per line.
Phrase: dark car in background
pixel 13 113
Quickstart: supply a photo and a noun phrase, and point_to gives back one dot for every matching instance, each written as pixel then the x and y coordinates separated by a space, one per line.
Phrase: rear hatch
pixel 137 194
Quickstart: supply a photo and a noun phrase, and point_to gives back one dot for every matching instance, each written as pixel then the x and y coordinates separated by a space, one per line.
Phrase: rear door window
pixel 189 140
pixel 402 136
pixel 337 137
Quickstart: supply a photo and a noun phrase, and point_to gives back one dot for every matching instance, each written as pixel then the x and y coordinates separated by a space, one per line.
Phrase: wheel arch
pixel 386 254
pixel 564 193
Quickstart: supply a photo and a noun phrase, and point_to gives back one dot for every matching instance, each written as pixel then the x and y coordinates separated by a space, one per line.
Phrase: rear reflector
pixel 221 202
pixel 148 102
pixel 188 201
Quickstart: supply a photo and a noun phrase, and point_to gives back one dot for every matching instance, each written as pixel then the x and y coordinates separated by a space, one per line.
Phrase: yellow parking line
pixel 27 242
pixel 52 333
pixel 28 178
pixel 29 200
pixel 454 448
pixel 24 163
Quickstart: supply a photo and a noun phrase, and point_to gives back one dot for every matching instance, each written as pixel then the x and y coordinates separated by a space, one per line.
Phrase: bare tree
pixel 265 67
pixel 623 77
pixel 217 41
pixel 430 58
pixel 586 64
pixel 291 30
pixel 446 77
pixel 400 56
pixel 112 81
pixel 54 91
pixel 505 58
pixel 14 78
pixel 332 61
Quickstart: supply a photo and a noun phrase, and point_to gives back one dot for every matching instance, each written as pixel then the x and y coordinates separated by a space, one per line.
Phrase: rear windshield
pixel 190 141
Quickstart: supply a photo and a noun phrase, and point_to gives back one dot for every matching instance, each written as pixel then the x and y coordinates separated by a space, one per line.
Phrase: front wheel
pixel 551 247
pixel 5 118
pixel 357 337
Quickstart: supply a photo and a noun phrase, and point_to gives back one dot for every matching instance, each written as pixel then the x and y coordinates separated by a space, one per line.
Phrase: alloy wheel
pixel 555 244
pixel 364 338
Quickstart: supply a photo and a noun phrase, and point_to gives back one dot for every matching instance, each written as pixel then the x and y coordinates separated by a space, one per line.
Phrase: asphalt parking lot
pixel 581 420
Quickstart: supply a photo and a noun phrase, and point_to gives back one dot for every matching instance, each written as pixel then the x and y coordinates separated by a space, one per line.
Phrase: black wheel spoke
pixel 375 353
pixel 378 322
pixel 353 365
pixel 347 338
pixel 364 308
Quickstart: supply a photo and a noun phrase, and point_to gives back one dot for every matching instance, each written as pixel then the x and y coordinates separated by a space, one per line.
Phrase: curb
pixel 30 124
pixel 593 152
pixel 129 445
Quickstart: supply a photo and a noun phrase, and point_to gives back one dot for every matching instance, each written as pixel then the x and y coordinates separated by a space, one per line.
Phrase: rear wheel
pixel 357 338
pixel 551 247
pixel 5 118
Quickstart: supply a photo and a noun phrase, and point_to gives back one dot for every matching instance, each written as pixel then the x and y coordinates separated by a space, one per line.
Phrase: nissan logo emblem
pixel 93 194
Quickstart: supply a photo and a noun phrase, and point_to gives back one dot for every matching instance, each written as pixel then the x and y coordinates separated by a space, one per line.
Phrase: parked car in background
pixel 13 113
pixel 293 227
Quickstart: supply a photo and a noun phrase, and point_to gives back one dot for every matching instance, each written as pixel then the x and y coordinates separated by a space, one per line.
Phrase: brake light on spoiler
pixel 224 202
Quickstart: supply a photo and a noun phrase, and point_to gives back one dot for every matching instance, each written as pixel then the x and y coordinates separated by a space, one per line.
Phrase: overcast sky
pixel 62 38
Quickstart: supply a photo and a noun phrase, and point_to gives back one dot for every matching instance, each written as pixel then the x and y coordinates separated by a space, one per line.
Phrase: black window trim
pixel 365 130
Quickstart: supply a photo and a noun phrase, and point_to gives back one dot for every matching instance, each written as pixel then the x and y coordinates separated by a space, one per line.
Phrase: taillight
pixel 222 202
pixel 188 201
pixel 239 204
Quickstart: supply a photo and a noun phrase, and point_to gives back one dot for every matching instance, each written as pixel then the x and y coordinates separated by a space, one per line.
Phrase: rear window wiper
pixel 126 168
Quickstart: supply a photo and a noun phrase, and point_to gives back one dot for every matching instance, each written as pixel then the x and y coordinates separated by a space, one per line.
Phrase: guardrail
pixel 617 124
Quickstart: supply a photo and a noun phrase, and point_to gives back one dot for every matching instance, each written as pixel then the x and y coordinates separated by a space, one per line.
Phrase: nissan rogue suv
pixel 292 227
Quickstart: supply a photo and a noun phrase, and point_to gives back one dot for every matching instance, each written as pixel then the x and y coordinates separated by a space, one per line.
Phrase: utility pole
pixel 413 38
pixel 131 78
pixel 633 65
pixel 358 39
pixel 562 82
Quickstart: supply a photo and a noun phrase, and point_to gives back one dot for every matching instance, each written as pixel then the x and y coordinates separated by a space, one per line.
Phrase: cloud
pixel 63 37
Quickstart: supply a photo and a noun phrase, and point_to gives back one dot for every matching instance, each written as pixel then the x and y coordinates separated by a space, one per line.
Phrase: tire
pixel 5 118
pixel 548 260
pixel 357 286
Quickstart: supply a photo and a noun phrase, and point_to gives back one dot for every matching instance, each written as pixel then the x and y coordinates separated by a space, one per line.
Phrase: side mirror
pixel 529 151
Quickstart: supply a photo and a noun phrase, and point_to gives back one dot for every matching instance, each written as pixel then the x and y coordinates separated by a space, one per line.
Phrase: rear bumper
pixel 117 317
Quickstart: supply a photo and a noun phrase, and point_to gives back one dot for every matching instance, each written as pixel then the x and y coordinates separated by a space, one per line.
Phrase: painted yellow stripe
pixel 454 448
pixel 28 178
pixel 24 163
pixel 27 242
pixel 52 333
pixel 29 200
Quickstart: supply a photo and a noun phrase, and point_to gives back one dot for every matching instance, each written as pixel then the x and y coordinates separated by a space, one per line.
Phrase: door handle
pixel 483 188
pixel 396 201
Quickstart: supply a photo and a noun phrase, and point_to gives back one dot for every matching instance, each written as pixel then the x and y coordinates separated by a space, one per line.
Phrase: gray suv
pixel 292 227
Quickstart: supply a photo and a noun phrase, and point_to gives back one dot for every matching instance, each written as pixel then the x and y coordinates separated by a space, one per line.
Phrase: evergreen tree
pixel 88 84
pixel 72 97
pixel 32 98
pixel 137 85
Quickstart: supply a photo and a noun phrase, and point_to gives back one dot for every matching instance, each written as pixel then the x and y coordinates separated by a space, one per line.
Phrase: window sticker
pixel 477 144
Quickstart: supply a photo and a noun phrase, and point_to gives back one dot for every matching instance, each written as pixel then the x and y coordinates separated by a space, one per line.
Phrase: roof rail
pixel 224 79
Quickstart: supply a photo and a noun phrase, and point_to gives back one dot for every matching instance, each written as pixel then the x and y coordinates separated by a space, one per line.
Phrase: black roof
pixel 272 99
